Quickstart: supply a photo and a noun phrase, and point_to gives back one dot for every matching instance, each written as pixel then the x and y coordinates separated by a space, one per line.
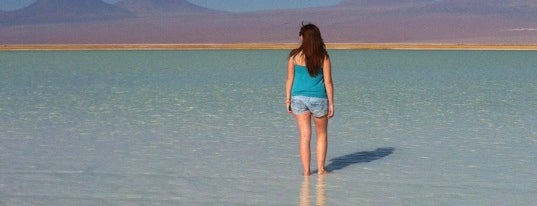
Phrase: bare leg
pixel 304 128
pixel 321 125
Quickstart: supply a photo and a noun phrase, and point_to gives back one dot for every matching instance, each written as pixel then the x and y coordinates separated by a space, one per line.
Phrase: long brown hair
pixel 312 47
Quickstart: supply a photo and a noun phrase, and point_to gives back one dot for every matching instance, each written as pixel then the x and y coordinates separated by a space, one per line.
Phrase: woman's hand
pixel 288 106
pixel 331 110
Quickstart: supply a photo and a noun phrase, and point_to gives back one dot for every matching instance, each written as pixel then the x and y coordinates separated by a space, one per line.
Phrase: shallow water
pixel 209 127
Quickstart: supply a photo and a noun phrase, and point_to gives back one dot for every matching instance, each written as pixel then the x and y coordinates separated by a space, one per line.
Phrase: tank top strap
pixel 295 56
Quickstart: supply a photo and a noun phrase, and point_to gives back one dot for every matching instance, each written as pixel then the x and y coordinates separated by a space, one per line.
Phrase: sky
pixel 226 5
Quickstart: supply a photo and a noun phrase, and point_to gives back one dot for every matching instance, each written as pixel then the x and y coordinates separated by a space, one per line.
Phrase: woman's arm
pixel 327 73
pixel 289 83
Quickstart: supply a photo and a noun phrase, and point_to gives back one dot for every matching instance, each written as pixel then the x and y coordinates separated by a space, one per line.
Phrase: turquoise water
pixel 210 128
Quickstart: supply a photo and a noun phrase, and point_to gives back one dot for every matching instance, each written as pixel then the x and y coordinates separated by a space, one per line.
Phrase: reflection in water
pixel 305 192
pixel 305 196
pixel 321 192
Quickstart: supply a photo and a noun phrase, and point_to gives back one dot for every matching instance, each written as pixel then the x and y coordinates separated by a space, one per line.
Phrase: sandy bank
pixel 374 46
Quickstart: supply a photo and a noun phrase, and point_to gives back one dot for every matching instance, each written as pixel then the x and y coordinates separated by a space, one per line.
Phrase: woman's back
pixel 304 84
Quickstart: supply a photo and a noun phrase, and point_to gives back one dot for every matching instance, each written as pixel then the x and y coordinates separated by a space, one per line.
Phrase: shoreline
pixel 260 46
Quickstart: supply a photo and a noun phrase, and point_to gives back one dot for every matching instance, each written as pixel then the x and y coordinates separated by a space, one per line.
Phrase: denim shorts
pixel 317 106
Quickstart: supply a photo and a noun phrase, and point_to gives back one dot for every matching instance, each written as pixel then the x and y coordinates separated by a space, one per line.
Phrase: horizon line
pixel 266 46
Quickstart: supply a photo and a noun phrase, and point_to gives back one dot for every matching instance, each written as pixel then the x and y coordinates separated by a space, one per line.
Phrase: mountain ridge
pixel 364 21
pixel 60 11
pixel 144 7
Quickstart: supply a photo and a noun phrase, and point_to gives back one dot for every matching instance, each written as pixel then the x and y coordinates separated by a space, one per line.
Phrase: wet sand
pixel 363 46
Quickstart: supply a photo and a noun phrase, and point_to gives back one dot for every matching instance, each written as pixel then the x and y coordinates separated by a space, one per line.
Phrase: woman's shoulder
pixel 294 52
pixel 298 58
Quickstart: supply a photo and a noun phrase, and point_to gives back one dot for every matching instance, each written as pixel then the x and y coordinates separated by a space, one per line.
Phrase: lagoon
pixel 209 127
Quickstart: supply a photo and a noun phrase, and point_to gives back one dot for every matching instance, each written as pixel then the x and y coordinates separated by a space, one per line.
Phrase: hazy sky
pixel 227 5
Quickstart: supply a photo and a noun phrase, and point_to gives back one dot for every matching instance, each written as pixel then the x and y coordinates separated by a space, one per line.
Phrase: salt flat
pixel 206 127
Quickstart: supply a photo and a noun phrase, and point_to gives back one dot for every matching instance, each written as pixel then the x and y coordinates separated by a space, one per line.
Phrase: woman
pixel 310 94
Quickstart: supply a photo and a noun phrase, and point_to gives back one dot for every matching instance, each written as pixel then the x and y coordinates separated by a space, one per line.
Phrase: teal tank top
pixel 306 85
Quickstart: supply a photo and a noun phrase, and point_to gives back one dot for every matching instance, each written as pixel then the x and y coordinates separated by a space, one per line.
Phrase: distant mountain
pixel 55 11
pixel 384 3
pixel 363 21
pixel 144 7
pixel 511 7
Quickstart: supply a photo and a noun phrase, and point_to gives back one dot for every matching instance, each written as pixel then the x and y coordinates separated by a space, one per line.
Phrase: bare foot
pixel 323 172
